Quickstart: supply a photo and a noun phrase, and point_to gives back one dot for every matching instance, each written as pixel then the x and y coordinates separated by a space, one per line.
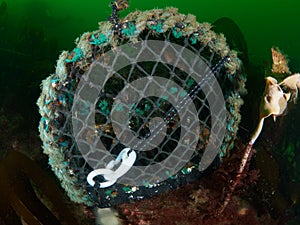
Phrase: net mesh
pixel 59 96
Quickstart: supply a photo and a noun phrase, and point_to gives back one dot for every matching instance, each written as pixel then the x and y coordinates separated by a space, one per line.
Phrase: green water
pixel 34 32
pixel 264 23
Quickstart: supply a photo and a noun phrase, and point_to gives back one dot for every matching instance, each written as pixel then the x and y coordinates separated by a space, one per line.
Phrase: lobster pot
pixel 134 85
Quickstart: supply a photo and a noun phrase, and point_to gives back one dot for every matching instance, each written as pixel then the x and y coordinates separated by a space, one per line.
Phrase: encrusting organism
pixel 280 68
pixel 280 62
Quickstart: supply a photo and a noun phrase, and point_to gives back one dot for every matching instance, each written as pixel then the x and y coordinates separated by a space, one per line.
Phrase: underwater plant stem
pixel 16 188
pixel 27 215
pixel 257 131
pixel 246 158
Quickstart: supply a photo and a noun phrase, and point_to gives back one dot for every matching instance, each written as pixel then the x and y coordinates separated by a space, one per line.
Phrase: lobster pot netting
pixel 59 90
